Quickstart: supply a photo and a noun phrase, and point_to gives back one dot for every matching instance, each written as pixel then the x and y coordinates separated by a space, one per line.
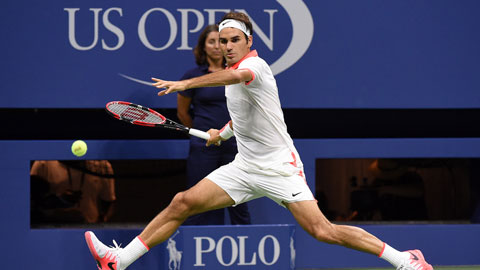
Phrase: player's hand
pixel 170 86
pixel 214 137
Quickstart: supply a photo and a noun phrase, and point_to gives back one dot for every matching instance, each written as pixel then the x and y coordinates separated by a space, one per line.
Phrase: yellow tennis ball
pixel 79 148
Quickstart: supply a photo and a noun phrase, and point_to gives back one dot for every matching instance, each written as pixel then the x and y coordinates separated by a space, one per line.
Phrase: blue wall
pixel 443 244
pixel 342 53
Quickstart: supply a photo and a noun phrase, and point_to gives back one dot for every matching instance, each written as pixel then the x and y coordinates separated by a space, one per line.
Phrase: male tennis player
pixel 267 163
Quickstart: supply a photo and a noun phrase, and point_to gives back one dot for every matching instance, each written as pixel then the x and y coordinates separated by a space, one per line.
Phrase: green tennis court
pixel 471 267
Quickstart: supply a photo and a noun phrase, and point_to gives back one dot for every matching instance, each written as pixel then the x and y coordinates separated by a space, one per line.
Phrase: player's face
pixel 234 45
pixel 212 47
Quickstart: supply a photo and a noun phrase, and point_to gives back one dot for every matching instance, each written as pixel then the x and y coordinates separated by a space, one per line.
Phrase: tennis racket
pixel 143 116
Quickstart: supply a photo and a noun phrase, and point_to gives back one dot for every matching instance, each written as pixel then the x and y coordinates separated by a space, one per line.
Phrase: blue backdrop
pixel 52 249
pixel 326 54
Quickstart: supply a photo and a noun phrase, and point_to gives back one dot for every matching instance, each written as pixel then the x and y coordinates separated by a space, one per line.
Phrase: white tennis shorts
pixel 244 186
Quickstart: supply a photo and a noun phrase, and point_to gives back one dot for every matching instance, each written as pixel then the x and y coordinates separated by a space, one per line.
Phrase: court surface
pixel 472 267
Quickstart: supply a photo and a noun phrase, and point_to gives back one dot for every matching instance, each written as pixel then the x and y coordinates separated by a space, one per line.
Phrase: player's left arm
pixel 219 78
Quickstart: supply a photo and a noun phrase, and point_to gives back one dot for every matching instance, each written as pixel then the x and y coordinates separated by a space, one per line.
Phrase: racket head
pixel 134 113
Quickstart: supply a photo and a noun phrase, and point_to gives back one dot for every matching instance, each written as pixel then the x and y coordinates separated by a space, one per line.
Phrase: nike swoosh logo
pixel 414 257
pixel 295 194
pixel 110 265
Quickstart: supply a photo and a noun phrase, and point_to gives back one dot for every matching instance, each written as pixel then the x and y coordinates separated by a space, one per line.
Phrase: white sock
pixel 132 252
pixel 393 256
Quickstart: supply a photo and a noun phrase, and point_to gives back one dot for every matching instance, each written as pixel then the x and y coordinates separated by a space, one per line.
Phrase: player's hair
pixel 199 50
pixel 239 16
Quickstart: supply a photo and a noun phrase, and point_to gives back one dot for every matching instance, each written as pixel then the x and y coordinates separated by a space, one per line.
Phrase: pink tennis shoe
pixel 415 262
pixel 106 257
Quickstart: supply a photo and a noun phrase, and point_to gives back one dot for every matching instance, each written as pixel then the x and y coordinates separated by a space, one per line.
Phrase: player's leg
pixel 204 196
pixel 213 217
pixel 312 220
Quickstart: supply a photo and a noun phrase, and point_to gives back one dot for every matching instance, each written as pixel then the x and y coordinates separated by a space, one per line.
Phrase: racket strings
pixel 135 114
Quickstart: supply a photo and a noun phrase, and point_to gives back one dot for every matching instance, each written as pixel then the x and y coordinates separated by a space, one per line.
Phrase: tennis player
pixel 267 163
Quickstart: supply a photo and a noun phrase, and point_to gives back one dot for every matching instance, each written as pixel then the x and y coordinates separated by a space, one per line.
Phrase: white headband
pixel 235 24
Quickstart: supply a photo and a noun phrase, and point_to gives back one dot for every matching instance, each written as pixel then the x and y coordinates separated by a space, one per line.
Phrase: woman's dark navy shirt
pixel 209 107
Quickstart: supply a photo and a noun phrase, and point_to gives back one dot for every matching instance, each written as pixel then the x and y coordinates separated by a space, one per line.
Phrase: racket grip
pixel 198 133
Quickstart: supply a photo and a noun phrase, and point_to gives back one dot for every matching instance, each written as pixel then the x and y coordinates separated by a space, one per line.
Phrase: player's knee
pixel 180 205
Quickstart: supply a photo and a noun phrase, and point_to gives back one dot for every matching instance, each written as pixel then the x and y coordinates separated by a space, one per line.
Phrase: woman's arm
pixel 183 107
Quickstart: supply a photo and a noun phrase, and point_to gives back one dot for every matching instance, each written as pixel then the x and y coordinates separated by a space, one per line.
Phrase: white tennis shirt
pixel 264 145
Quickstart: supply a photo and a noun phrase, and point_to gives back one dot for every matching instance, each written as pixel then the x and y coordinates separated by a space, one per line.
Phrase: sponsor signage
pixel 325 54
pixel 232 247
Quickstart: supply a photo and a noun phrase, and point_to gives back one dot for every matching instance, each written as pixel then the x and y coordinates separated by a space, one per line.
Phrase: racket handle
pixel 198 133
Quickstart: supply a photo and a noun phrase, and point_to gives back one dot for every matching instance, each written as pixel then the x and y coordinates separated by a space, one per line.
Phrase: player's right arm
pixel 227 131
pixel 216 136
pixel 219 78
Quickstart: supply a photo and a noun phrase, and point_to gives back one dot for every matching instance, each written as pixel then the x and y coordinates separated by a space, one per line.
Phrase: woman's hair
pixel 239 16
pixel 199 50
